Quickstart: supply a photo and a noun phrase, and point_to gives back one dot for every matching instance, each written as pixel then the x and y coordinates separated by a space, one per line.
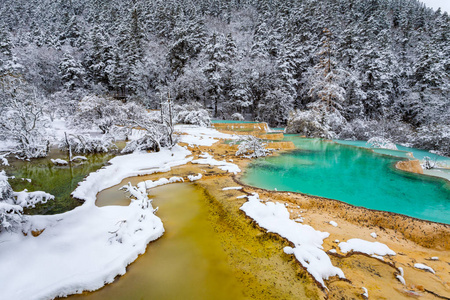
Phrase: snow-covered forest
pixel 353 69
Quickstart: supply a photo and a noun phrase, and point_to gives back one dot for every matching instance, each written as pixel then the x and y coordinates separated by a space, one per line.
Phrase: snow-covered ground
pixel 201 136
pixel 206 159
pixel 87 247
pixel 307 241
pixel 370 248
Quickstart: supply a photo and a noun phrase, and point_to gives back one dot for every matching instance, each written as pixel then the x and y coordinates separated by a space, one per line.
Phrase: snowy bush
pixel 79 143
pixel 237 117
pixel 3 159
pixel 101 112
pixel 147 142
pixel 23 121
pixel 310 123
pixel 433 137
pixel 192 113
pixel 359 129
pixel 381 142
pixel 12 204
pixel 154 137
pixel 251 146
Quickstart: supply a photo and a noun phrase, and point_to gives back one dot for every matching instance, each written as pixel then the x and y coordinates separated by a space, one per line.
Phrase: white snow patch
pixel 424 267
pixel 3 159
pixel 308 242
pixel 136 134
pixel 59 162
pixel 378 257
pixel 195 177
pixel 332 251
pixel 232 188
pixel 334 223
pixel 374 235
pixel 7 145
pixel 241 197
pixel 201 136
pixel 149 184
pixel 365 247
pixel 79 157
pixel 401 279
pixel 366 292
pixel 206 159
pixel 434 258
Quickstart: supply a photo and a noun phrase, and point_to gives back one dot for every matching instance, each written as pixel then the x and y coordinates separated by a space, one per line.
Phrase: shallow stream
pixel 200 256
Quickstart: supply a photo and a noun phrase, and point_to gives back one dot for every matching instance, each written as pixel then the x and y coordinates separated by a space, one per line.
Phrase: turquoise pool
pixel 354 175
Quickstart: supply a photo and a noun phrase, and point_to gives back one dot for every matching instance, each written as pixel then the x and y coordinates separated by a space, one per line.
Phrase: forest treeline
pixel 380 64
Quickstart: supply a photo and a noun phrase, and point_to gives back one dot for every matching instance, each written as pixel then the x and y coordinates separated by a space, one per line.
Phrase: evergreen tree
pixel 326 78
pixel 72 72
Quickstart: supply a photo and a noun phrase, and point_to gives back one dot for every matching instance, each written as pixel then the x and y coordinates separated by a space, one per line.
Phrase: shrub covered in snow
pixel 381 142
pixel 22 120
pixel 79 143
pixel 360 129
pixel 315 123
pixel 152 140
pixel 251 146
pixel 433 137
pixel 192 113
pixel 12 204
pixel 101 112
pixel 3 159
pixel 237 117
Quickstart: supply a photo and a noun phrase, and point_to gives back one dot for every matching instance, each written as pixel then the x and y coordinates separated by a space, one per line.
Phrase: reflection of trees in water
pixel 59 181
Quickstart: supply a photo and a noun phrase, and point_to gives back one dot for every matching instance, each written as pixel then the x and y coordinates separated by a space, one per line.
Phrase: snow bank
pixel 367 247
pixel 135 164
pixel 87 247
pixel 206 159
pixel 232 188
pixel 308 242
pixel 149 184
pixel 201 136
pixel 195 177
pixel 424 267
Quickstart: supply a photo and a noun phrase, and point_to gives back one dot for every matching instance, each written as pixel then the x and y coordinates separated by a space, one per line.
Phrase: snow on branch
pixel 381 142
pixel 251 146
pixel 12 204
pixel 192 113
pixel 3 159
pixel 83 143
